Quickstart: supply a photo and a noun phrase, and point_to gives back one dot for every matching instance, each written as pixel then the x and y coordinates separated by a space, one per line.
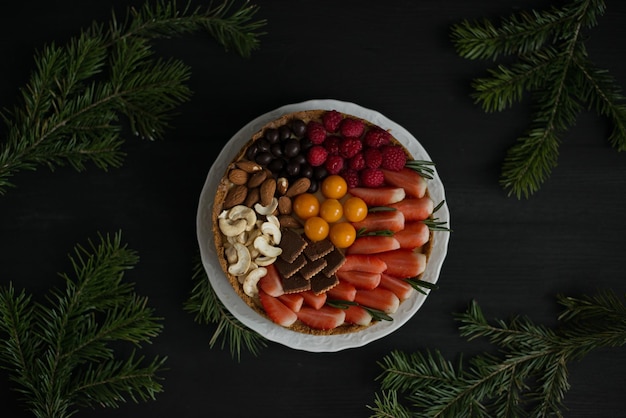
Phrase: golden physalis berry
pixel 334 187
pixel 355 209
pixel 331 210
pixel 306 205
pixel 315 228
pixel 342 234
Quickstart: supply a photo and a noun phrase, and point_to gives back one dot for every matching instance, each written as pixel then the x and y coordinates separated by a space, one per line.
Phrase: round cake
pixel 321 222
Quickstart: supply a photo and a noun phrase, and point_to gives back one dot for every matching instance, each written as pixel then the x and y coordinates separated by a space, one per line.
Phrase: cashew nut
pixel 273 219
pixel 264 260
pixel 229 227
pixel 250 282
pixel 231 255
pixel 272 230
pixel 243 260
pixel 266 210
pixel 243 212
pixel 262 244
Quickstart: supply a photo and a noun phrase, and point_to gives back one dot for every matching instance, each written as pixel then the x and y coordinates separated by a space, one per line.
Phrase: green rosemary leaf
pixel 419 285
pixel 381 209
pixel 422 167
pixel 377 315
pixel 340 304
pixel 363 232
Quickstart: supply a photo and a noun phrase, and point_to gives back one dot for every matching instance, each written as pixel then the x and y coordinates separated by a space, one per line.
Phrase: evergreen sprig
pixel 208 309
pixel 554 68
pixel 528 376
pixel 70 109
pixel 63 354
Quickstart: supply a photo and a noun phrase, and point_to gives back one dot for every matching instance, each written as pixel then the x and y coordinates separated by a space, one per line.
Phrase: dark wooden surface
pixel 512 256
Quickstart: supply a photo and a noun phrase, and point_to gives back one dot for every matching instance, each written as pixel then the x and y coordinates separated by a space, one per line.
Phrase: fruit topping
pixel 316 301
pixel 323 318
pixel 334 187
pixel 354 209
pixel 376 138
pixel 350 147
pixel 394 157
pixel 317 155
pixel 391 220
pixel 331 144
pixel 402 289
pixel 277 311
pixel 306 205
pixel 342 234
pixel 331 210
pixel 415 209
pixel 379 299
pixel 334 164
pixel 373 245
pixel 363 262
pixel 410 180
pixel 359 279
pixel 315 132
pixel 372 177
pixel 381 196
pixel 351 177
pixel 358 316
pixel 342 291
pixel 293 301
pixel 331 120
pixel 271 283
pixel 350 127
pixel 414 235
pixel 316 228
pixel 372 157
pixel 403 263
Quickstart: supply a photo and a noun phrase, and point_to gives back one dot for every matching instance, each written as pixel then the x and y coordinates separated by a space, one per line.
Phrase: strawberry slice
pixel 380 196
pixel 293 301
pixel 403 263
pixel 342 291
pixel 413 184
pixel 323 318
pixel 379 299
pixel 392 220
pixel 359 279
pixel 357 315
pixel 313 300
pixel 401 288
pixel 364 262
pixel 373 245
pixel 414 235
pixel 271 283
pixel 415 209
pixel 276 310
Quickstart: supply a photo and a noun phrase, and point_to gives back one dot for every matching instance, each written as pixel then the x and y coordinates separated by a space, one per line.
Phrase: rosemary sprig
pixel 433 223
pixel 423 167
pixel 377 315
pixel 70 109
pixel 527 378
pixel 60 354
pixel 554 67
pixel 363 232
pixel 419 285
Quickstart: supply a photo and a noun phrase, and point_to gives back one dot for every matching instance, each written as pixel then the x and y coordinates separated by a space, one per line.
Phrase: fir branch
pixel 70 110
pixel 553 67
pixel 208 309
pixel 529 376
pixel 60 354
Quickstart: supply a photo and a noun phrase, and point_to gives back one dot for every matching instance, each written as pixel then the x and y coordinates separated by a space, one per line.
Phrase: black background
pixel 512 256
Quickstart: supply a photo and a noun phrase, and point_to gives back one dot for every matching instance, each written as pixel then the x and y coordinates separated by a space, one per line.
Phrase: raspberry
pixel 350 147
pixel 394 157
pixel 357 162
pixel 334 164
pixel 315 132
pixel 331 120
pixel 373 158
pixel 331 143
pixel 351 177
pixel 377 137
pixel 351 127
pixel 316 156
pixel 372 177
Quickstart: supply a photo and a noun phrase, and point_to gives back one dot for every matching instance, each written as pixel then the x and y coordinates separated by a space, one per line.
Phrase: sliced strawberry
pixel 373 245
pixel 293 301
pixel 399 287
pixel 363 262
pixel 313 300
pixel 359 279
pixel 413 184
pixel 403 263
pixel 342 291
pixel 276 310
pixel 357 315
pixel 415 209
pixel 379 196
pixel 271 283
pixel 392 220
pixel 325 317
pixel 414 235
pixel 379 299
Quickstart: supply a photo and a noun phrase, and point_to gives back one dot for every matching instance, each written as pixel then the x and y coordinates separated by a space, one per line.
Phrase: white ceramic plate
pixel 267 328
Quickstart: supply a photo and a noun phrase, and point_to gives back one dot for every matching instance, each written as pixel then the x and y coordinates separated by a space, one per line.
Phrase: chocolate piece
pixel 311 268
pixel 292 245
pixel 287 269
pixel 320 283
pixel 318 249
pixel 334 260
pixel 295 284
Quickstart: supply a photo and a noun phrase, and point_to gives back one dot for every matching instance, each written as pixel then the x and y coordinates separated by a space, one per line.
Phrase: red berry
pixel 372 177
pixel 317 155
pixel 350 147
pixel 334 164
pixel 377 137
pixel 331 120
pixel 331 143
pixel 315 132
pixel 351 127
pixel 357 162
pixel 373 158
pixel 351 177
pixel 394 157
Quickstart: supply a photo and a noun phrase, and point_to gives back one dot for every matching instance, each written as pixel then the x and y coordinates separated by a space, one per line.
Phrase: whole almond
pixel 282 184
pixel 298 187
pixel 288 221
pixel 252 197
pixel 235 196
pixel 257 178
pixel 284 205
pixel 238 176
pixel 248 166
pixel 267 190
